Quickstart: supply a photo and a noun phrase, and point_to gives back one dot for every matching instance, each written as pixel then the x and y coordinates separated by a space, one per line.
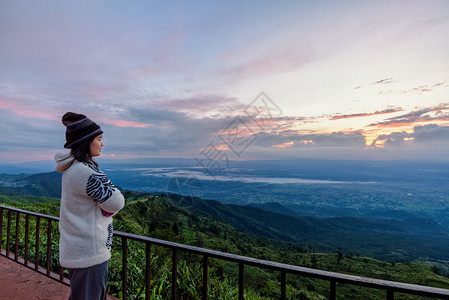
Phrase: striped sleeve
pixel 99 187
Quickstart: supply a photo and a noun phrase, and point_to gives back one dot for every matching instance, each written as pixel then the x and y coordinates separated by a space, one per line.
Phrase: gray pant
pixel 89 283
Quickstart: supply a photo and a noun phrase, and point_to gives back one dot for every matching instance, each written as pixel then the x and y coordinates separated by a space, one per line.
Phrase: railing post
pixel 283 285
pixel 174 275
pixel 390 294
pixel 1 227
pixel 125 267
pixel 205 277
pixel 8 234
pixel 241 280
pixel 27 229
pixel 48 246
pixel 147 270
pixel 16 252
pixel 333 290
pixel 61 273
pixel 36 251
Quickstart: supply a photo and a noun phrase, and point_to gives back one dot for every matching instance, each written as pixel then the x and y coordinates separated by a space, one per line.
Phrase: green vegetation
pixel 179 219
pixel 42 184
pixel 27 199
pixel 390 240
pixel 170 221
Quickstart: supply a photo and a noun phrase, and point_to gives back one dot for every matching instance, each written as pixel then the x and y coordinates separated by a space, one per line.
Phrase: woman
pixel 88 201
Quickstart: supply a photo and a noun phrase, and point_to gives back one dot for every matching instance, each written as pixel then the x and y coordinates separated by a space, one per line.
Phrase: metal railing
pixel 50 220
pixel 389 287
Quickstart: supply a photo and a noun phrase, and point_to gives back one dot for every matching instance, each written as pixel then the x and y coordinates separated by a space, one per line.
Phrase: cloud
pixel 431 133
pixel 179 134
pixel 173 133
pixel 423 26
pixel 382 112
pixel 160 78
pixel 394 139
pixel 201 105
pixel 337 145
pixel 378 82
pixel 325 140
pixel 68 56
pixel 152 132
pixel 276 61
pixel 381 82
pixel 425 115
pixel 384 81
pixel 124 123
pixel 417 90
pixel 28 138
pixel 427 142
pixel 284 145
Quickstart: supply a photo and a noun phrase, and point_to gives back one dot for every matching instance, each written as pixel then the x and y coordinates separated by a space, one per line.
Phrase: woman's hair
pixel 81 152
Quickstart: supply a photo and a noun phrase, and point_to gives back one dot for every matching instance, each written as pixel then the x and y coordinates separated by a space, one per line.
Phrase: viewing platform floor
pixel 20 282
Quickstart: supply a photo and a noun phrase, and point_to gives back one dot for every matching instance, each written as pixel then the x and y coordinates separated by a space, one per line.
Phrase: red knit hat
pixel 79 129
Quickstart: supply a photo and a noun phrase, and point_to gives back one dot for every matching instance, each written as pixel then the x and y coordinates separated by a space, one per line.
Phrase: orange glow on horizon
pixel 222 147
pixel 284 145
pixel 307 142
pixel 380 143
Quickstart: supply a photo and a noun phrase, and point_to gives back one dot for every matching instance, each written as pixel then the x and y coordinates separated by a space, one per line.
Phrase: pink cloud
pixel 279 62
pixel 284 145
pixel 415 117
pixel 20 108
pixel 410 123
pixel 125 123
pixel 382 112
pixel 27 155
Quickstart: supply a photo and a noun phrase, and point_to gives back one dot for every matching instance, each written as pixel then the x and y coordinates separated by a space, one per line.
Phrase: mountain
pixel 41 184
pixel 28 167
pixel 387 239
pixel 275 207
pixel 161 217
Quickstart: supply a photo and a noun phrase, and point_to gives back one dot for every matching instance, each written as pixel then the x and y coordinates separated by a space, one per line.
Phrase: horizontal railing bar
pixel 30 213
pixel 290 269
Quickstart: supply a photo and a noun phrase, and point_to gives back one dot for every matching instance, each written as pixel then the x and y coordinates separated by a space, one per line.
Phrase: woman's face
pixel 95 146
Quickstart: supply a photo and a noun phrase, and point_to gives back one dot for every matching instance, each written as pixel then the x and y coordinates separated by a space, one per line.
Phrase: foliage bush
pixel 159 218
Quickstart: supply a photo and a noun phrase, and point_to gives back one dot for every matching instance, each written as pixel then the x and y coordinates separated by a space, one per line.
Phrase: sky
pixel 233 80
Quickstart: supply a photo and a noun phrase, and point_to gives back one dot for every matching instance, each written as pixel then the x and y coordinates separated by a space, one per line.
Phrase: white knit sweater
pixel 85 231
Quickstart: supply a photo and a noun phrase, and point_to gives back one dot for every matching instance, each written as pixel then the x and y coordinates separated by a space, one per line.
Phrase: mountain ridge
pixel 387 239
pixel 381 239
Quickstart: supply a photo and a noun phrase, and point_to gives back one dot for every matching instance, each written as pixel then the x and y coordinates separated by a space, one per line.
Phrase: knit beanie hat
pixel 79 129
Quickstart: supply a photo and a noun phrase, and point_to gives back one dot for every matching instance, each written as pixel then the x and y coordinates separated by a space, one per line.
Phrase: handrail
pixel 390 287
pixel 45 270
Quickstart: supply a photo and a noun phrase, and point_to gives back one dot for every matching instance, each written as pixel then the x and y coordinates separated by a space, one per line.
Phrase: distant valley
pixel 377 215
pixel 364 189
